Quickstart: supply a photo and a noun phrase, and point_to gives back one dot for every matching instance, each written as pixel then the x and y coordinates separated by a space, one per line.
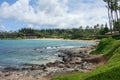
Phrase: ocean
pixel 14 53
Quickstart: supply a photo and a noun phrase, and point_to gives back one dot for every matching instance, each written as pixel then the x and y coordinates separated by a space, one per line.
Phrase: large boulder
pixel 66 59
pixel 76 60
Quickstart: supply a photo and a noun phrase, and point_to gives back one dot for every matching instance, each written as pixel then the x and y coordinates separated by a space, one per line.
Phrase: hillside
pixel 109 71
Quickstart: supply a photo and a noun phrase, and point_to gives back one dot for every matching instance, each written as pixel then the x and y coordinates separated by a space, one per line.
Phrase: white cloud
pixel 55 13
pixel 2 28
pixel 30 26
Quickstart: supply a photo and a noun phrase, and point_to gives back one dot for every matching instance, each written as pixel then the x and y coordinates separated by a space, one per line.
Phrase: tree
pixel 106 29
pixel 96 29
pixel 109 13
pixel 113 13
pixel 117 26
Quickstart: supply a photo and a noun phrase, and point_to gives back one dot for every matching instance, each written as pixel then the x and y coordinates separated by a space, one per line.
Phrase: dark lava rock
pixel 11 69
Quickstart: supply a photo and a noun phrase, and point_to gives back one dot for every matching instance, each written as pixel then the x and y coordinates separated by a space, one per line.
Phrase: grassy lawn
pixel 109 71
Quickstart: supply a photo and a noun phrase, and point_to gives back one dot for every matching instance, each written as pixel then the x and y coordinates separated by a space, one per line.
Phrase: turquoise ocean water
pixel 18 52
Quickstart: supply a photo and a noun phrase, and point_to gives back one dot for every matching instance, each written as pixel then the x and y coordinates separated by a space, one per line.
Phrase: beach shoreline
pixel 64 39
pixel 76 40
pixel 73 60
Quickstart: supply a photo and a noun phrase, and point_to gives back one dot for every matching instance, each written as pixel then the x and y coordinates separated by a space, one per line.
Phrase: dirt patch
pixel 97 60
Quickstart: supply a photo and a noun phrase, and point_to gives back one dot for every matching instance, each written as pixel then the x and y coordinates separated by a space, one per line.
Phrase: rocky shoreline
pixel 73 60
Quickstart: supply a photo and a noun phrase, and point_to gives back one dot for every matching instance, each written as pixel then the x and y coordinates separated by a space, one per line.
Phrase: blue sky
pixel 9 1
pixel 42 14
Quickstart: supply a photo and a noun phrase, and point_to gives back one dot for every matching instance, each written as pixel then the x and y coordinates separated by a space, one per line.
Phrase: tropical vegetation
pixel 96 32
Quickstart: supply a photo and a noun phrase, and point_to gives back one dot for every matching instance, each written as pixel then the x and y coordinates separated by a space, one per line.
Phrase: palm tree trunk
pixel 112 21
pixel 109 19
pixel 116 15
pixel 119 11
pixel 119 29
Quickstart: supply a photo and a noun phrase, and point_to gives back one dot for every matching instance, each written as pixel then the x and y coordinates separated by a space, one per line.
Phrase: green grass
pixel 109 71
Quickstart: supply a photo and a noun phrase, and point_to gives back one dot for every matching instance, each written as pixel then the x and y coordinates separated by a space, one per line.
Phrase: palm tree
pixel 113 15
pixel 116 8
pixel 110 13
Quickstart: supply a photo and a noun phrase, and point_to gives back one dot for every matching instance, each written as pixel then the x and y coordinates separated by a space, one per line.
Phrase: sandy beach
pixel 64 39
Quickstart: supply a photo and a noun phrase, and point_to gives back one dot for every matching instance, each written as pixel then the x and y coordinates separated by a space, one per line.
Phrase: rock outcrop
pixel 74 59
